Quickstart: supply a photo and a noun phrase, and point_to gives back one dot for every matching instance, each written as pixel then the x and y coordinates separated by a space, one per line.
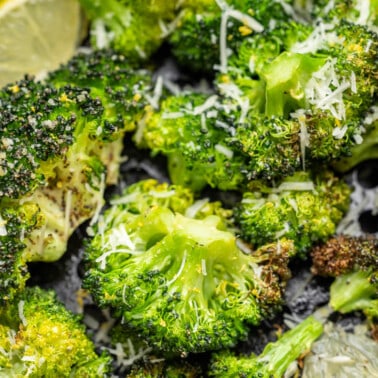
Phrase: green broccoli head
pixel 355 11
pixel 190 131
pixel 39 337
pixel 205 35
pixel 354 262
pixel 367 146
pixel 17 222
pixel 136 30
pixel 53 177
pixel 275 358
pixel 302 208
pixel 177 278
pixel 166 368
pixel 111 78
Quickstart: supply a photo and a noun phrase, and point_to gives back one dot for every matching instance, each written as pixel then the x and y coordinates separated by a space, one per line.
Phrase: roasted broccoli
pixel 366 148
pixel 52 175
pixel 194 142
pixel 298 96
pixel 122 90
pixel 166 369
pixel 172 270
pixel 354 263
pixel 40 338
pixel 317 83
pixel 207 32
pixel 303 208
pixel 274 360
pixel 356 11
pixel 135 29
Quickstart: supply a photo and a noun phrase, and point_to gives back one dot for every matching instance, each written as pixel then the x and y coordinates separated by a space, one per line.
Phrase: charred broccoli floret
pixel 303 208
pixel 354 262
pixel 175 273
pixel 275 358
pixel 40 338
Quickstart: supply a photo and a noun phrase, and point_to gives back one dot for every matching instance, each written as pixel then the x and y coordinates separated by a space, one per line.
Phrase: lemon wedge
pixel 36 36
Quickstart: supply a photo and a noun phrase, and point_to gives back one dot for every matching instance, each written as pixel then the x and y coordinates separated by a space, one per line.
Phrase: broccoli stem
pixel 353 291
pixel 290 346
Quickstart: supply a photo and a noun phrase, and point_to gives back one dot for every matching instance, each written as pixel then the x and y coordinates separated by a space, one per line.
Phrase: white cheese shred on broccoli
pixel 203 267
pixel 208 104
pixel 101 35
pixel 3 229
pixel 21 313
pixel 126 359
pixel 245 19
pixel 299 186
pixel 321 36
pixel 192 211
pixel 224 151
pixel 158 91
pixel 363 7
pixel 304 138
pixel 325 90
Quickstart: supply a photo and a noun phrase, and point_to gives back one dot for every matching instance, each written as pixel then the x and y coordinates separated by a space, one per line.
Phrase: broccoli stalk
pixel 276 357
pixel 39 337
pixel 179 278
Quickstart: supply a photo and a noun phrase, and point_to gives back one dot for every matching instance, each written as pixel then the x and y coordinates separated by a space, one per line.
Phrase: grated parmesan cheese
pixel 203 267
pixel 363 7
pixel 224 151
pixel 245 19
pixel 193 210
pixel 304 138
pixel 3 229
pixel 21 313
pixel 321 36
pixel 325 90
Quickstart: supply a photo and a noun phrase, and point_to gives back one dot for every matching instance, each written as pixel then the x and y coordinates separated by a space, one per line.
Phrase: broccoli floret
pixel 356 11
pixel 178 277
pixel 193 142
pixel 110 77
pixel 275 358
pixel 53 177
pixel 122 90
pixel 39 337
pixel 206 34
pixel 137 30
pixel 319 78
pixel 166 369
pixel 366 149
pixel 303 208
pixel 354 263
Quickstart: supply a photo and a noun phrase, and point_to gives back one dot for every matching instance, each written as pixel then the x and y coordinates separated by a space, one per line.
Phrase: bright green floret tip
pixel 40 338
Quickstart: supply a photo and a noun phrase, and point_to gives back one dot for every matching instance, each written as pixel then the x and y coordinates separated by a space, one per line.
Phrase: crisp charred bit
pixel 343 254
